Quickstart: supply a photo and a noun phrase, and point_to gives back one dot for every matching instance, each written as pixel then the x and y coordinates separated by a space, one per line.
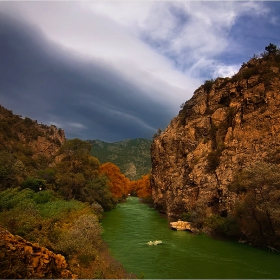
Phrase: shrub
pixel 59 209
pixel 82 238
pixel 223 225
pixel 249 72
pixel 258 209
pixel 43 197
pixel 22 219
pixel 13 196
pixel 97 209
pixel 208 85
pixel 35 184
pixel 214 156
pixel 186 216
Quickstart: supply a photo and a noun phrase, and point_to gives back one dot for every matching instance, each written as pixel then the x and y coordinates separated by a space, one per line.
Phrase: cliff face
pixel 49 142
pixel 22 259
pixel 227 125
pixel 17 133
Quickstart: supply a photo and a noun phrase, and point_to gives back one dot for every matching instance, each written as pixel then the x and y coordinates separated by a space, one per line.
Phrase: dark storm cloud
pixel 87 99
pixel 63 68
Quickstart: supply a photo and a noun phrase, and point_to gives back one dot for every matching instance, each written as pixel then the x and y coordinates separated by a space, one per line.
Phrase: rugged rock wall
pixel 227 125
pixel 22 259
pixel 17 132
pixel 49 142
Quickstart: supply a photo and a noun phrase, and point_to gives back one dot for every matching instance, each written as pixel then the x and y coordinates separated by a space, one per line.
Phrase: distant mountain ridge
pixel 132 156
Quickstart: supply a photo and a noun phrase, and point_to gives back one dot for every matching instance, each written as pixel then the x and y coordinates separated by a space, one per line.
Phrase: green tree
pixel 76 169
pixel 271 49
pixel 35 184
pixel 78 176
pixel 75 147
pixel 48 174
pixel 7 176
pixel 208 85
pixel 258 187
pixel 98 190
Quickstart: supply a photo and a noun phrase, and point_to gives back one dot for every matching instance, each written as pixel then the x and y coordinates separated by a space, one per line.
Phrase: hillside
pixel 25 146
pixel 217 163
pixel 131 156
pixel 52 191
pixel 16 130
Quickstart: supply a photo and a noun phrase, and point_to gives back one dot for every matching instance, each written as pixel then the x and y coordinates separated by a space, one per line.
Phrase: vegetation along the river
pixel 53 193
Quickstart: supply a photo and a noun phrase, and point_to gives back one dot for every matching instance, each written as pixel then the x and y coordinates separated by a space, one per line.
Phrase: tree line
pixel 76 175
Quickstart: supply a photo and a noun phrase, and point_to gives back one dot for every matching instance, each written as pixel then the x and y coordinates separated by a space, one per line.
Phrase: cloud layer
pixel 117 70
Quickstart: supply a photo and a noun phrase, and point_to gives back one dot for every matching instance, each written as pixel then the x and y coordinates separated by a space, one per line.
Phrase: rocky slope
pixel 40 139
pixel 227 125
pixel 22 259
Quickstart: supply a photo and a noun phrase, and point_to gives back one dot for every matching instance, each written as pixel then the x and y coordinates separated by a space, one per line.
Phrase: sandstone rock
pixel 17 260
pixel 181 225
pixel 28 249
pixel 218 132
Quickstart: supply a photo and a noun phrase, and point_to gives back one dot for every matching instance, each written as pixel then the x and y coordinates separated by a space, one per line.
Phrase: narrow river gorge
pixel 129 227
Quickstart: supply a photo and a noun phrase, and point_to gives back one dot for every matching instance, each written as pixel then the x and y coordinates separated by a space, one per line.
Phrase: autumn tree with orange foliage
pixel 141 187
pixel 119 184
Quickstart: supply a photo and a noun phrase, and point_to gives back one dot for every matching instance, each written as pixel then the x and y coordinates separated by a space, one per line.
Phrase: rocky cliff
pixel 31 143
pixel 227 125
pixel 22 259
pixel 17 131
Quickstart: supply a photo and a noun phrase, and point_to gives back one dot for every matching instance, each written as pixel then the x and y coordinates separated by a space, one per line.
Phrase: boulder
pixel 22 259
pixel 181 225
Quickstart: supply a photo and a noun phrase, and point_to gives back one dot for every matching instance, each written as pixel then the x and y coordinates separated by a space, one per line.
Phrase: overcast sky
pixel 113 70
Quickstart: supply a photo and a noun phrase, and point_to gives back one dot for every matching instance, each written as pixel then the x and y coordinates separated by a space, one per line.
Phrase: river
pixel 129 227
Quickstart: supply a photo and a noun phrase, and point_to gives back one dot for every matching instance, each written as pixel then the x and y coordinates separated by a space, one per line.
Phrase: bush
pixel 13 196
pixel 223 225
pixel 186 216
pixel 60 209
pixel 249 72
pixel 22 219
pixel 82 238
pixel 34 183
pixel 208 85
pixel 258 187
pixel 43 197
pixel 213 160
pixel 85 259
pixel 97 209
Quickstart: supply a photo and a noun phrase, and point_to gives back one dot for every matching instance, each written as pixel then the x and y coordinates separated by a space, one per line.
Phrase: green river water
pixel 129 227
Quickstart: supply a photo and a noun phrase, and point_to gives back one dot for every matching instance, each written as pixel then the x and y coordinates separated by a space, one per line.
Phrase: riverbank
pixel 129 227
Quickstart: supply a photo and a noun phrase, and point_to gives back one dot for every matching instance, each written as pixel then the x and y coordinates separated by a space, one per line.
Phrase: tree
pixel 141 187
pixel 75 147
pixel 271 49
pixel 76 169
pixel 119 184
pixel 7 176
pixel 34 184
pixel 48 174
pixel 98 190
pixel 258 187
